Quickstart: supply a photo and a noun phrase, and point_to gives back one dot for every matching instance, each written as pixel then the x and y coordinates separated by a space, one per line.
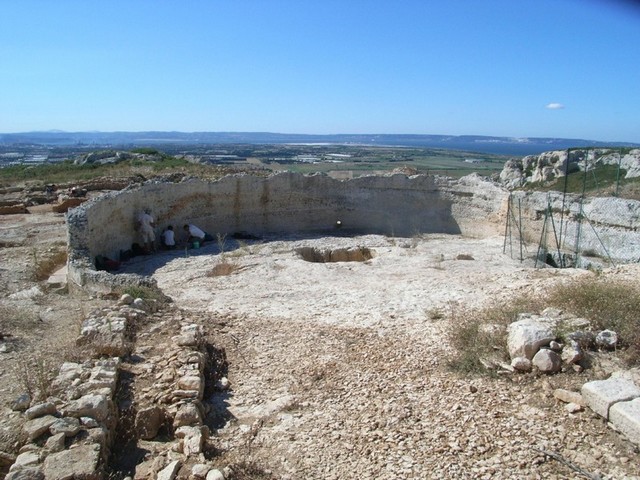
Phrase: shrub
pixel 145 293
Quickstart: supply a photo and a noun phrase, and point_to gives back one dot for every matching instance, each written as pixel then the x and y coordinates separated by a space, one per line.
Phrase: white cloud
pixel 555 106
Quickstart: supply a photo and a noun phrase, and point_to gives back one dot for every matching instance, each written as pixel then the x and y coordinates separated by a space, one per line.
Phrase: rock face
pixel 604 227
pixel 390 204
pixel 552 165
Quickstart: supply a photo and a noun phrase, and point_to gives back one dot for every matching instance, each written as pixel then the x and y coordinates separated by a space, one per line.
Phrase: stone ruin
pixel 93 412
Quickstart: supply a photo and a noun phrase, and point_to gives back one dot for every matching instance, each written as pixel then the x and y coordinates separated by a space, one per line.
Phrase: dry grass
pixel 16 319
pixel 480 335
pixel 247 470
pixel 35 375
pixel 608 304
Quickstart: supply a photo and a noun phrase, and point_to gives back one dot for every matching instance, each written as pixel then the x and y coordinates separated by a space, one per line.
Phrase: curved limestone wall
pixel 285 203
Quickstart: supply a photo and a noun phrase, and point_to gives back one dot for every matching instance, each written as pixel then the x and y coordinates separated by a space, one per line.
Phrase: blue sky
pixel 537 68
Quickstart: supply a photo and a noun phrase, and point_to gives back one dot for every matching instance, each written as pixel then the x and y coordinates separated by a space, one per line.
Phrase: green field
pixel 212 161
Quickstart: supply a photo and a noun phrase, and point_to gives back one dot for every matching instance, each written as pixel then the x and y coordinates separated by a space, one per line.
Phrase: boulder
pixel 572 352
pixel 526 336
pixel 94 406
pixel 215 474
pixel 26 459
pixel 40 410
pixel 547 361
pixel 55 443
pixel 188 415
pixel 21 403
pixel 193 442
pixel 192 382
pixel 69 426
pixel 607 339
pixel 25 473
pixel 567 396
pixel 200 470
pixel 6 459
pixel 169 472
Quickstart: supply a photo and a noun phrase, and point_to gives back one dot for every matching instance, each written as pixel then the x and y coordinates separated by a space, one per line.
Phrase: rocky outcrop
pixel 112 156
pixel 593 227
pixel 549 166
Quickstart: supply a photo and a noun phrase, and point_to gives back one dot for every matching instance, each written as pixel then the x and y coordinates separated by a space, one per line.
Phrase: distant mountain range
pixel 473 143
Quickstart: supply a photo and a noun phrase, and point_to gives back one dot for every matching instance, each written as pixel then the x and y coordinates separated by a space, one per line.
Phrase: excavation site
pixel 310 336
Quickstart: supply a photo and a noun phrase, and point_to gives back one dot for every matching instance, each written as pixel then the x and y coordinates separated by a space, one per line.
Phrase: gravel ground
pixel 338 370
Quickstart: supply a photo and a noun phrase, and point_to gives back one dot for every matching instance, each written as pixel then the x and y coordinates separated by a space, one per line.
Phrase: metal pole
pixel 506 226
pixel 553 225
pixel 520 228
pixel 564 193
pixel 544 225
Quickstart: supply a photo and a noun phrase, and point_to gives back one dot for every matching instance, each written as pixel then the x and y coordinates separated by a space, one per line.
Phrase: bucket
pixel 196 244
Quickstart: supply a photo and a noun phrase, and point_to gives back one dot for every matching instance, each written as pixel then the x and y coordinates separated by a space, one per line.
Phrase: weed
pixel 438 261
pixel 35 376
pixel 247 470
pixel 435 313
pixel 222 240
pixel 608 304
pixel 145 293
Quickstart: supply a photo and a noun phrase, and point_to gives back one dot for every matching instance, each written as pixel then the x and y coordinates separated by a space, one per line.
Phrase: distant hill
pixel 474 143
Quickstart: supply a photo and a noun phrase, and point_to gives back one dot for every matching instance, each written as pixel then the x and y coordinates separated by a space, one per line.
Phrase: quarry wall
pixel 285 203
pixel 394 204
pixel 606 227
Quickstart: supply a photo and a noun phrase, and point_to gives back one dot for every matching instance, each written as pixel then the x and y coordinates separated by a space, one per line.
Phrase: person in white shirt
pixel 195 234
pixel 169 238
pixel 146 225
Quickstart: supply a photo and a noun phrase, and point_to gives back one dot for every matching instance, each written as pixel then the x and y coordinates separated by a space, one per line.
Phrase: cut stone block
pixel 600 395
pixel 625 417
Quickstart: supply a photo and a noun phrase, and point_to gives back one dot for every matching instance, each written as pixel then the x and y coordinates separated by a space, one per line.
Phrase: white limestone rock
pixel 521 364
pixel 526 336
pixel 547 361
